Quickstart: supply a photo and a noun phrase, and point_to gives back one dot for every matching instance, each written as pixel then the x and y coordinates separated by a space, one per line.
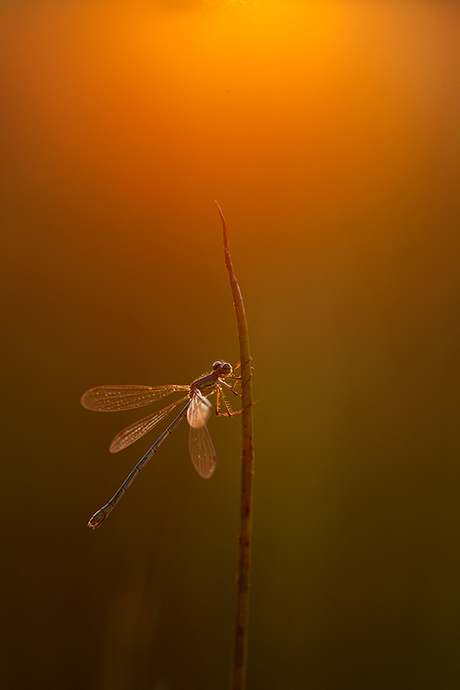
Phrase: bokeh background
pixel 330 134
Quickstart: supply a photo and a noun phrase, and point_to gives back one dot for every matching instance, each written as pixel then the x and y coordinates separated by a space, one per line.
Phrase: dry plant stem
pixel 240 643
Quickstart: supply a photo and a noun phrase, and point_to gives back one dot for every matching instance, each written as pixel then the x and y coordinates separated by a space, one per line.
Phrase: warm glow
pixel 329 132
pixel 301 88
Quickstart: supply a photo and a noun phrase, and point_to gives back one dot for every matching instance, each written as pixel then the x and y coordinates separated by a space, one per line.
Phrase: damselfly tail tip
pixel 96 521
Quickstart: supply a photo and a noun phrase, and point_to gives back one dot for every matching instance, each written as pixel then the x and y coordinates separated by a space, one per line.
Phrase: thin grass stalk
pixel 240 640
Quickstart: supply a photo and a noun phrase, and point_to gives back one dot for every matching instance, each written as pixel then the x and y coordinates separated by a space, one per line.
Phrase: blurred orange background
pixel 329 132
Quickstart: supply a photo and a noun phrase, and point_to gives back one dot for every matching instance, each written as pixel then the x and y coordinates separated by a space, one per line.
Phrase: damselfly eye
pixel 226 368
pixel 217 365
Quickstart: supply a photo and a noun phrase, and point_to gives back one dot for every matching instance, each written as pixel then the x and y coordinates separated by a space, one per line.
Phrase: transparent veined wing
pixel 199 411
pixel 202 451
pixel 135 431
pixel 117 398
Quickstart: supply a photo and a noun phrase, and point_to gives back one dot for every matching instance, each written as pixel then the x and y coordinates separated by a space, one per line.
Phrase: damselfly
pixel 197 410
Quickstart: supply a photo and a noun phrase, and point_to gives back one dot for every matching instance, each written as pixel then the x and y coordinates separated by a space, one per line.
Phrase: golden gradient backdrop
pixel 330 134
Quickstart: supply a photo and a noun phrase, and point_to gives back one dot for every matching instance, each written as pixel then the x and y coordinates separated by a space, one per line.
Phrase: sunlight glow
pixel 234 7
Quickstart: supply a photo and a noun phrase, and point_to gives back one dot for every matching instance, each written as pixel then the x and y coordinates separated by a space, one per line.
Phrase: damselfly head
pixel 222 368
